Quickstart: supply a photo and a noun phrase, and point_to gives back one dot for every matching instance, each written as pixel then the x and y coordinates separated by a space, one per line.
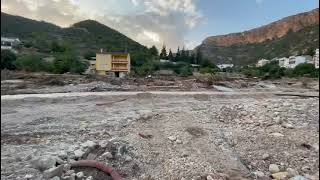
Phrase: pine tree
pixel 198 56
pixel 154 51
pixel 192 58
pixel 170 56
pixel 178 55
pixel 163 54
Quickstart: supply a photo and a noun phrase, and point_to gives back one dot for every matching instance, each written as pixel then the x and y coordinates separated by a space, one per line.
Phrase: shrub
pixel 8 60
pixel 68 62
pixel 305 70
pixel 32 63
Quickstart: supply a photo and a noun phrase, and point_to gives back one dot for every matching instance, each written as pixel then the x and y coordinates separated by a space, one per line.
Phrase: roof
pixel 114 53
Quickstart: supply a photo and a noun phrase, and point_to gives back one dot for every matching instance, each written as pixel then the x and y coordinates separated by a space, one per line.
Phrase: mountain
pixel 291 35
pixel 84 36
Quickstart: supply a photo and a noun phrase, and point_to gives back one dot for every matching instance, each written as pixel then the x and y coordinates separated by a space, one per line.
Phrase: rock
pixel 172 138
pixel 259 174
pixel 128 158
pixel 63 155
pixel 69 172
pixel 88 144
pixel 52 172
pixel 80 175
pixel 178 141
pixel 103 143
pixel 265 156
pixel 278 120
pixel 43 163
pixel 280 175
pixel 107 155
pixel 305 168
pixel 273 168
pixel 288 126
pixel 89 178
pixel 66 167
pixel 277 135
pixel 55 178
pixel 298 178
pixel 79 153
pixel 209 178
pixel 28 176
pixel 308 176
pixel 292 172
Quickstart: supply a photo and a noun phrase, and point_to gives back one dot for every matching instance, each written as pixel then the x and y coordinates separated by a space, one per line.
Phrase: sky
pixel 157 22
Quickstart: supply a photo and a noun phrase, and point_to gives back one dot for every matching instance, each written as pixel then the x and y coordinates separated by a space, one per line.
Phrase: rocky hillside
pixel 291 35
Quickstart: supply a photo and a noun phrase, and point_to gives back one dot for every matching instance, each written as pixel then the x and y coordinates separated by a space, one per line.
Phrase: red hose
pixel 98 165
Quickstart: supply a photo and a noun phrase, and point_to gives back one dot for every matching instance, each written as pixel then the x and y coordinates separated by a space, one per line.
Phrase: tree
pixel 198 56
pixel 32 63
pixel 178 55
pixel 68 62
pixel 8 60
pixel 154 51
pixel 192 58
pixel 170 56
pixel 89 54
pixel 163 54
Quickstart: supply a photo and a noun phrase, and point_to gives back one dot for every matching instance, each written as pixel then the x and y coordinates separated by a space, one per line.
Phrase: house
pixel 296 60
pixel 283 62
pixel 116 64
pixel 316 59
pixel 225 66
pixel 9 43
pixel 262 62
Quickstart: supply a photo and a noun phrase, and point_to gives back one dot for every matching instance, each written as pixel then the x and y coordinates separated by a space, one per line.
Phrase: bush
pixel 68 62
pixel 89 54
pixel 8 60
pixel 305 70
pixel 208 70
pixel 185 71
pixel 33 63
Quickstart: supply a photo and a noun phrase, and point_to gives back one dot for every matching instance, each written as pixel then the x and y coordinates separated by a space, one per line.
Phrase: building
pixel 9 43
pixel 116 64
pixel 262 62
pixel 296 60
pixel 283 62
pixel 316 59
pixel 225 66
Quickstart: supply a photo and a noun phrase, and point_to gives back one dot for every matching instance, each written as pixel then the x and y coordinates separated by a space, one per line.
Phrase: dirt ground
pixel 170 135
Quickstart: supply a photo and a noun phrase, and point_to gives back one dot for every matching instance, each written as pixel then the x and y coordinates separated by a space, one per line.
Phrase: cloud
pixel 259 1
pixel 155 22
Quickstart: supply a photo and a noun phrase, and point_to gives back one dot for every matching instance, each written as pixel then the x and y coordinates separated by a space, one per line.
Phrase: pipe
pixel 98 165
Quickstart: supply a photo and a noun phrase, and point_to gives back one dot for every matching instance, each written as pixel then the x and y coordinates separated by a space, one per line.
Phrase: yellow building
pixel 114 64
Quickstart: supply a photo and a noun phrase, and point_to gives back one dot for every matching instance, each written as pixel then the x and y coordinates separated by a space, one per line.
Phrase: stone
pixel 52 172
pixel 288 126
pixel 43 163
pixel 292 172
pixel 128 158
pixel 305 168
pixel 277 135
pixel 280 175
pixel 79 153
pixel 209 178
pixel 298 178
pixel 63 155
pixel 80 175
pixel 259 174
pixel 103 143
pixel 69 172
pixel 107 155
pixel 265 156
pixel 28 176
pixel 273 168
pixel 89 178
pixel 308 176
pixel 88 144
pixel 178 141
pixel 172 138
pixel 55 178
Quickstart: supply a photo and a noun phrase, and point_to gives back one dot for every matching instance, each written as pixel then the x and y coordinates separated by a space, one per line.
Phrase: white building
pixel 283 62
pixel 262 62
pixel 9 43
pixel 316 59
pixel 296 60
pixel 224 66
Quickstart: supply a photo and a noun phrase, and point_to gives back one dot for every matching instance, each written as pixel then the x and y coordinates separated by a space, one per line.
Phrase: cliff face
pixel 271 31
